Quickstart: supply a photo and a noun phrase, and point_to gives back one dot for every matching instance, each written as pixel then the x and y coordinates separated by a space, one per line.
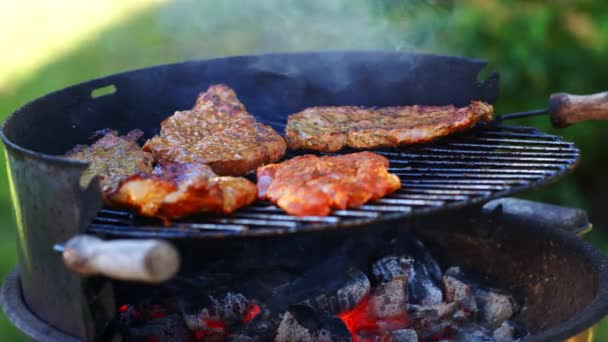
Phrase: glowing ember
pixel 253 311
pixel 361 320
pixel 157 312
pixel 216 325
pixel 214 328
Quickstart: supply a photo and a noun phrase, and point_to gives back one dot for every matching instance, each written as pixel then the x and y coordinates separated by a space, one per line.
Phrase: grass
pixel 65 43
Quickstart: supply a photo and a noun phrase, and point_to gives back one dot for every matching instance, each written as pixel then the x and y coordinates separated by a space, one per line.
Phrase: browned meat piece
pixel 112 158
pixel 175 190
pixel 311 185
pixel 331 128
pixel 218 132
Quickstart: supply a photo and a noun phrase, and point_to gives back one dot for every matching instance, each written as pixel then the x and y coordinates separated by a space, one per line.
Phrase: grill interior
pixel 488 162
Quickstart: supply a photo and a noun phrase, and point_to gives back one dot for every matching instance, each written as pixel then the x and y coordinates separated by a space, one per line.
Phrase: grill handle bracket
pixel 567 109
pixel 149 261
pixel 524 212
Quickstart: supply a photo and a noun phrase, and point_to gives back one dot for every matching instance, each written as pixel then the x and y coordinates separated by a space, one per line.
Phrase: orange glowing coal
pixel 362 322
pixel 253 311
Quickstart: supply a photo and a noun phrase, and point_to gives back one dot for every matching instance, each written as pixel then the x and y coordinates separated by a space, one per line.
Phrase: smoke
pixel 229 27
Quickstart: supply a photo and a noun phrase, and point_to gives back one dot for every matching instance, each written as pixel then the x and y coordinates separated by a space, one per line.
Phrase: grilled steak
pixel 112 158
pixel 331 128
pixel 175 190
pixel 311 185
pixel 218 132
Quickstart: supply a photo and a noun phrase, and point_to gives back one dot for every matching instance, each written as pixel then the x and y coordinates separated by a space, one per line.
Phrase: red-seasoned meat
pixel 218 132
pixel 311 185
pixel 175 190
pixel 331 128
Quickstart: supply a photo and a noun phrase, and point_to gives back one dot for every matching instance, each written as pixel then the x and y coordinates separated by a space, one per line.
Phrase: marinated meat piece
pixel 311 185
pixel 218 132
pixel 175 190
pixel 112 158
pixel 331 128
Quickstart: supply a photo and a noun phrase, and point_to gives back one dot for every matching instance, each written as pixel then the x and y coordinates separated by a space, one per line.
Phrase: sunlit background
pixel 538 47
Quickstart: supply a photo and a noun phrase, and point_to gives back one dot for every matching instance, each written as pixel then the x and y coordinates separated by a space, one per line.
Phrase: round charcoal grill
pixel 489 162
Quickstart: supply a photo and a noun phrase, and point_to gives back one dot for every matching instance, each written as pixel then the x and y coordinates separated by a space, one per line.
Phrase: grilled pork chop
pixel 331 128
pixel 112 158
pixel 218 132
pixel 311 185
pixel 175 190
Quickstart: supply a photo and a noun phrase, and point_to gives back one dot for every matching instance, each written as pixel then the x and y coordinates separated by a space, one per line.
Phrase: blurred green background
pixel 538 47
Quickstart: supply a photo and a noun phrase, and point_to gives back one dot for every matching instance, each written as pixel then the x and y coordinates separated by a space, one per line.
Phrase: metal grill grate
pixel 463 169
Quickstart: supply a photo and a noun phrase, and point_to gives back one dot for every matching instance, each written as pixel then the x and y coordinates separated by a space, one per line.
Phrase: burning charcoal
pixel 416 250
pixel 433 321
pixel 390 267
pixel 232 308
pixel 215 315
pixel 472 334
pixel 455 289
pixel 424 282
pixel 460 293
pixel 301 323
pixel 128 315
pixel 167 329
pixel 262 327
pixel 389 299
pixel 354 287
pixel 291 330
pixel 240 338
pixel 421 288
pixel 494 305
pixel 509 331
pixel 403 335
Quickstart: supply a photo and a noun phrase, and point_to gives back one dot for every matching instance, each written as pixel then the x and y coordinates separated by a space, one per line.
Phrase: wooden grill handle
pixel 567 109
pixel 150 261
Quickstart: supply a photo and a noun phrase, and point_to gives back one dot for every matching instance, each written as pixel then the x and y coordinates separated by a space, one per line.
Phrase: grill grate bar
pixel 385 208
pixel 430 197
pixel 355 213
pixel 455 171
pixel 468 176
pixel 256 222
pixel 207 226
pixel 429 170
pixel 520 142
pixel 452 186
pixel 450 163
pixel 510 147
pixel 285 217
pixel 432 191
pixel 462 181
pixel 516 154
pixel 534 136
pixel 409 202
pixel 479 157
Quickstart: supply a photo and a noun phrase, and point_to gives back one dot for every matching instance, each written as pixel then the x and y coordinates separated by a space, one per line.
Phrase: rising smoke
pixel 229 27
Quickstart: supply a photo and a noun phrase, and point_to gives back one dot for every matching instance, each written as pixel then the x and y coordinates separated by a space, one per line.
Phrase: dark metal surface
pixel 525 212
pixel 13 305
pixel 518 115
pixel 563 280
pixel 465 169
pixel 549 267
pixel 50 206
